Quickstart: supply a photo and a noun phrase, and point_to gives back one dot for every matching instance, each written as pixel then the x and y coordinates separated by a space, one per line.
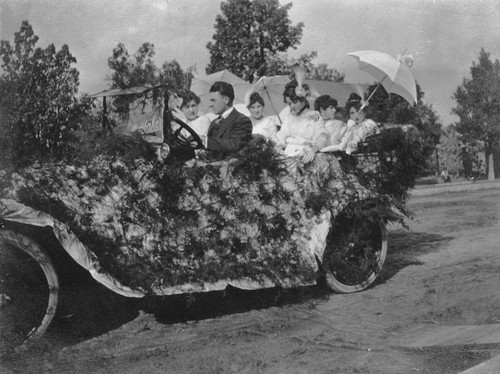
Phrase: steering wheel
pixel 180 139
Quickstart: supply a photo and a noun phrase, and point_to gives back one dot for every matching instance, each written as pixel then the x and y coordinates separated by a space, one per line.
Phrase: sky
pixel 443 36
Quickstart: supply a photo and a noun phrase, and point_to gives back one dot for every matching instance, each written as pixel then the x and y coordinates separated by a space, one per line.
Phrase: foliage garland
pixel 155 225
pixel 388 163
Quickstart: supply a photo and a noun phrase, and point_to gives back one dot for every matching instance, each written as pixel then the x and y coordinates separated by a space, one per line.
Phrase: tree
pixel 478 106
pixel 139 70
pixel 130 71
pixel 37 98
pixel 393 108
pixel 449 150
pixel 282 65
pixel 324 73
pixel 247 32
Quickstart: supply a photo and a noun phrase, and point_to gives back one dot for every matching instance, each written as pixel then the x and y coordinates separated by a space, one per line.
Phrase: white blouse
pixel 297 132
pixel 200 125
pixel 336 129
pixel 266 127
pixel 356 133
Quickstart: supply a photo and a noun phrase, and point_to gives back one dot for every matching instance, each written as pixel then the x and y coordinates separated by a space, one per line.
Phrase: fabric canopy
pixel 126 91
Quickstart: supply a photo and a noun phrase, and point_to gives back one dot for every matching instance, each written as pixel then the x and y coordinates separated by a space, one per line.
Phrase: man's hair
pixel 324 101
pixel 225 89
pixel 189 96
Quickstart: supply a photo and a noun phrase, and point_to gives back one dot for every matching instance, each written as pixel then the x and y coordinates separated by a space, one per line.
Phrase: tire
pixel 28 290
pixel 355 253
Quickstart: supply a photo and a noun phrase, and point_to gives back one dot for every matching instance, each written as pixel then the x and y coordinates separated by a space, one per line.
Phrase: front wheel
pixel 28 290
pixel 355 253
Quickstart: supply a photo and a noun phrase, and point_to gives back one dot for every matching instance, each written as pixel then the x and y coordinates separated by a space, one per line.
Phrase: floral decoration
pixel 154 225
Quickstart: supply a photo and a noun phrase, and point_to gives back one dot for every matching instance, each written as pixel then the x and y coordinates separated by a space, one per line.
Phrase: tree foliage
pixel 130 71
pixel 385 108
pixel 37 98
pixel 247 32
pixel 478 104
pixel 448 150
pixel 323 72
pixel 282 65
pixel 140 69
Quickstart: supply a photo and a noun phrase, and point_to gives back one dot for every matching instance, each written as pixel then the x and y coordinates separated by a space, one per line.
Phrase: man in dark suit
pixel 231 130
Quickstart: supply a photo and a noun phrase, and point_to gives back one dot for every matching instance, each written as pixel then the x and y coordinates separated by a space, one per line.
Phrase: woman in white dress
pixel 358 127
pixel 265 126
pixel 326 106
pixel 189 107
pixel 302 132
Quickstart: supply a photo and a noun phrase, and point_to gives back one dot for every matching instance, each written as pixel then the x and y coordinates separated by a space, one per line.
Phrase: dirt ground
pixel 442 272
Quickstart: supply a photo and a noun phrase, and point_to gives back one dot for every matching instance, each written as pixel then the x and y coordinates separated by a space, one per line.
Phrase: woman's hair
pixel 255 98
pixel 355 105
pixel 292 95
pixel 354 101
pixel 189 96
pixel 323 102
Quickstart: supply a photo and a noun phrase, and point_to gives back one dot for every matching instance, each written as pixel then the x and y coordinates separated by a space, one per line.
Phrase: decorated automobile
pixel 144 220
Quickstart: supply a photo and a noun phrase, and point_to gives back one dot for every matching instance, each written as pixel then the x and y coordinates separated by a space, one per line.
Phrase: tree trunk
pixel 438 168
pixel 491 166
pixel 489 159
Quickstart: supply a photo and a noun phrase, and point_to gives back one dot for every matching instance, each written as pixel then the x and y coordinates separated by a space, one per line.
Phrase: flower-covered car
pixel 143 225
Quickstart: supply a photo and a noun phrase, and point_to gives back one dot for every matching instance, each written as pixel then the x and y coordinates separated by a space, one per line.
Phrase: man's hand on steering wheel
pixel 192 141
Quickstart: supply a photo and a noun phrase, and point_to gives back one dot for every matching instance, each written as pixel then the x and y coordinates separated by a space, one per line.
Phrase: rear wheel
pixel 28 290
pixel 355 253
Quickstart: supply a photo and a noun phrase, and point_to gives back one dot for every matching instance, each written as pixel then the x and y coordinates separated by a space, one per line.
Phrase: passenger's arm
pixel 338 147
pixel 332 148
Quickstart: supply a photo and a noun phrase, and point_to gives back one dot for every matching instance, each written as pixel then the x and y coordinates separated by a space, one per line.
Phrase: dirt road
pixel 443 272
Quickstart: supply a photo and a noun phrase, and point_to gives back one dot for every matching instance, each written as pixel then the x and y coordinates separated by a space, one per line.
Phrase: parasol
pixel 271 90
pixel 200 85
pixel 391 72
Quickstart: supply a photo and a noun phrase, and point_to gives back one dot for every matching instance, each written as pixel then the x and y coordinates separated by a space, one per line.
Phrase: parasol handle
pixel 365 102
pixel 371 95
pixel 275 111
pixel 373 92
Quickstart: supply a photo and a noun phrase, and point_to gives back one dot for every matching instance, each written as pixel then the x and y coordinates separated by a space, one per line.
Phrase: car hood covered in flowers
pixel 145 227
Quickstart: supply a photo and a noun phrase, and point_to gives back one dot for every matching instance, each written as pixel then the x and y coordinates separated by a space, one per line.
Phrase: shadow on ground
pixel 88 309
pixel 405 248
pixel 181 308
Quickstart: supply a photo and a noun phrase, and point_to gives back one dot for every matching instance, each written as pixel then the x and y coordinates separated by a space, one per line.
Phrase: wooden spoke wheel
pixel 355 253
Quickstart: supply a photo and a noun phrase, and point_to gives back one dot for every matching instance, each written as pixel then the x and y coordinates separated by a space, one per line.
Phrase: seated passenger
pixel 302 132
pixel 311 95
pixel 358 127
pixel 189 107
pixel 231 130
pixel 265 126
pixel 326 106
